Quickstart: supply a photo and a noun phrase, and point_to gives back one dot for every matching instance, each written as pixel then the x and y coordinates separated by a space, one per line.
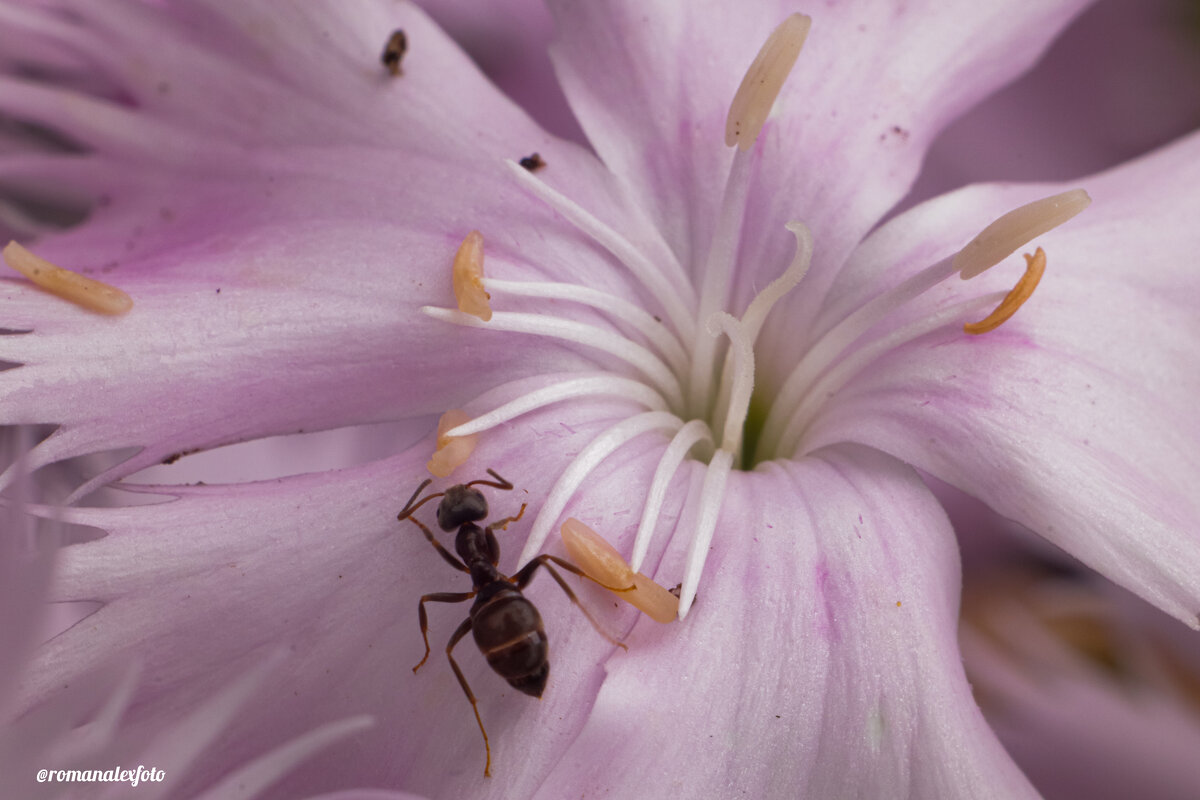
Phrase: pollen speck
pixel 451 450
pixel 1035 266
pixel 603 564
pixel 468 278
pixel 78 289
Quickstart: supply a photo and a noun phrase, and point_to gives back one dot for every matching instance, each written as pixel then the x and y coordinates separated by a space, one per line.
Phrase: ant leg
pixel 437 597
pixel 443 552
pixel 525 574
pixel 501 524
pixel 462 681
pixel 503 484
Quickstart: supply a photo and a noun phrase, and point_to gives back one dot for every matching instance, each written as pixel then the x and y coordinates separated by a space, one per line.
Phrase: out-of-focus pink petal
pixel 1108 90
pixel 1076 418
pixel 823 637
pixel 1090 689
pixel 508 39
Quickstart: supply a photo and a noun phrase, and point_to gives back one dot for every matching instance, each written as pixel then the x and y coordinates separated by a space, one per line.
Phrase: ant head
pixel 461 504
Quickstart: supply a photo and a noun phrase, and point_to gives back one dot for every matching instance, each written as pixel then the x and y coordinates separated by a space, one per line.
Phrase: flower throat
pixel 690 362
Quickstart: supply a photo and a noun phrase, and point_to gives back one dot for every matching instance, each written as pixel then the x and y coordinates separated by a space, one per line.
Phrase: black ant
pixel 507 626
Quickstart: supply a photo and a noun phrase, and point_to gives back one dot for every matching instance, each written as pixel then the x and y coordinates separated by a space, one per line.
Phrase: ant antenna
pixel 409 508
pixel 503 484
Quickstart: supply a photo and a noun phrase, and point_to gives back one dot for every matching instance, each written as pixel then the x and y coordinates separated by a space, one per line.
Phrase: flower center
pixel 693 368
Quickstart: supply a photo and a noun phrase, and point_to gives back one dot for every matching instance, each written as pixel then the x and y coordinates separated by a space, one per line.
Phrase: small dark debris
pixel 393 52
pixel 171 459
pixel 218 291
pixel 533 162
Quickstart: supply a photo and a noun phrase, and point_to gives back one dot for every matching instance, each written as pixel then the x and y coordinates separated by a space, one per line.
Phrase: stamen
pixel 603 385
pixel 685 439
pixel 1018 227
pixel 838 338
pixel 603 564
pixel 712 494
pixel 468 278
pixel 592 553
pixel 1035 266
pixel 714 285
pixel 831 381
pixel 617 307
pixel 752 104
pixel 674 293
pixel 78 289
pixel 606 341
pixel 451 450
pixel 588 459
pixel 993 244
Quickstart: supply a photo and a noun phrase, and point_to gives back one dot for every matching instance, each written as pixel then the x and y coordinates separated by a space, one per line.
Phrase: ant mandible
pixel 507 626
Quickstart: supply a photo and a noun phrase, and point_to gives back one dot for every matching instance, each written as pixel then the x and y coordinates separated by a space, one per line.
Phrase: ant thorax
pixel 475 545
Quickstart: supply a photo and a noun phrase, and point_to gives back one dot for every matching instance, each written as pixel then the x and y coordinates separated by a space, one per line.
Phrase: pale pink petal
pixel 651 83
pixel 820 659
pixel 295 238
pixel 1076 418
pixel 200 586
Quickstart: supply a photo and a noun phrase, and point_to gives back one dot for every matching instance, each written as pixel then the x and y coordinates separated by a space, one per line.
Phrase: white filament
pixel 685 439
pixel 835 341
pixel 588 459
pixel 714 289
pixel 602 385
pixel 606 341
pixel 675 295
pixel 742 349
pixel 617 307
pixel 834 379
pixel 712 494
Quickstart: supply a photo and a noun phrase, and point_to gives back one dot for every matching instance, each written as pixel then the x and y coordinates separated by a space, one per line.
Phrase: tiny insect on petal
pixel 78 289
pixel 468 278
pixel 393 52
pixel 603 564
pixel 451 450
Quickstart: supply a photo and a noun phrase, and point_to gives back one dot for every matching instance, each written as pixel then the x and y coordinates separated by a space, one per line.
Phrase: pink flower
pixel 284 211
